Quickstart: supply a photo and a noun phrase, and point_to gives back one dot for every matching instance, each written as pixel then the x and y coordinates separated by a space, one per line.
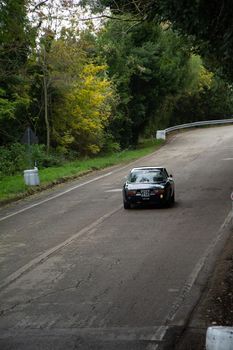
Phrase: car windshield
pixel 146 175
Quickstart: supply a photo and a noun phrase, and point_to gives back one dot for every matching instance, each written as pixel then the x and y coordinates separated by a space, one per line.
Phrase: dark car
pixel 150 185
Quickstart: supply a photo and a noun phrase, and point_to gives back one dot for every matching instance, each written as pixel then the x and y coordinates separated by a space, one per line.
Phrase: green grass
pixel 13 187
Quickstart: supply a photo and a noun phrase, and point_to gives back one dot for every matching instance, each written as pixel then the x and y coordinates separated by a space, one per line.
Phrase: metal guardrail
pixel 161 134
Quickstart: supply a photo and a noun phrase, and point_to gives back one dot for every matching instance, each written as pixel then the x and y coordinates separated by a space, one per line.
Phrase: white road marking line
pixel 152 347
pixel 227 159
pixel 55 196
pixel 43 257
pixel 160 333
pixel 114 190
pixel 110 333
pixel 173 290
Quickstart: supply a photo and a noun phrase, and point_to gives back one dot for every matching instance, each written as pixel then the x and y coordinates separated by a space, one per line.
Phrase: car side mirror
pixel 170 175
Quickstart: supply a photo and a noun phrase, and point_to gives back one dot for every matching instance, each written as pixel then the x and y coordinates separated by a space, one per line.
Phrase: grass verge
pixel 13 187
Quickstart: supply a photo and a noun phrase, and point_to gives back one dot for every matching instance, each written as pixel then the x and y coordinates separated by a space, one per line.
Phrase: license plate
pixel 145 193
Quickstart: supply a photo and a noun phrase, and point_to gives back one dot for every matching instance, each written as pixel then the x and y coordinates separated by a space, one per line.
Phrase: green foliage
pixel 42 159
pixel 16 41
pixel 147 65
pixel 214 101
pixel 13 116
pixel 12 159
pixel 85 111
pixel 7 108
pixel 207 23
pixel 13 186
pixel 16 38
pixel 80 95
pixel 17 157
pixel 88 94
pixel 110 145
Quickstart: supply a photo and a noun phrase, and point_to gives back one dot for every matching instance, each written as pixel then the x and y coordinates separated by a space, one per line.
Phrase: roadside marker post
pixel 219 338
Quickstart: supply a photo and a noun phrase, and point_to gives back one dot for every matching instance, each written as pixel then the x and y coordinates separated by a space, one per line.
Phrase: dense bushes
pixel 17 157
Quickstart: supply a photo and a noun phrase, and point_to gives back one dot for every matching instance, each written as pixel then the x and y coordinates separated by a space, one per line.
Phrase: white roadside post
pixel 219 338
pixel 31 177
pixel 161 135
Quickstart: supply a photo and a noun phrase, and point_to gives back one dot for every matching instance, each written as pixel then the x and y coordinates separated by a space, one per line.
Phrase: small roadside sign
pixel 29 137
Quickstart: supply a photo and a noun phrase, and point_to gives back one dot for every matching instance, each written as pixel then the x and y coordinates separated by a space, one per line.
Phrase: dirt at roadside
pixel 216 305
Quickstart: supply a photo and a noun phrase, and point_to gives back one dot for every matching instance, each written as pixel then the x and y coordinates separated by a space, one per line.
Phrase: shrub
pixel 44 160
pixel 16 157
pixel 13 159
pixel 110 145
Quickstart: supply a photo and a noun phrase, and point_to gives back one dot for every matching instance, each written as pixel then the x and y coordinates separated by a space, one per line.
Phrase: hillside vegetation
pixel 87 88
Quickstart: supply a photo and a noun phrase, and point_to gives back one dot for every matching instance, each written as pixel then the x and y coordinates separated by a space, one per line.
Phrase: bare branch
pixel 118 8
pixel 131 27
pixel 137 7
pixel 39 5
pixel 110 17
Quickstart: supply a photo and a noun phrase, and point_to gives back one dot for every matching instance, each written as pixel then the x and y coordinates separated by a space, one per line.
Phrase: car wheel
pixel 169 200
pixel 126 205
pixel 173 198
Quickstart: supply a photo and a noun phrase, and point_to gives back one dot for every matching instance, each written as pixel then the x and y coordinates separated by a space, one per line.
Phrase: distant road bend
pixel 80 272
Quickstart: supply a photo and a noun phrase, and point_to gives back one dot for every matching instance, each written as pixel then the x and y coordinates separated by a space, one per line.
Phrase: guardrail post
pixel 161 135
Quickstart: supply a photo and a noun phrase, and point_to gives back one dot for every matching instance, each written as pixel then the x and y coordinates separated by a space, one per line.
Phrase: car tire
pixel 170 200
pixel 126 205
pixel 173 198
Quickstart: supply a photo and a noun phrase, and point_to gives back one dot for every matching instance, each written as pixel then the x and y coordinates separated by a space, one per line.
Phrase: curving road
pixel 80 272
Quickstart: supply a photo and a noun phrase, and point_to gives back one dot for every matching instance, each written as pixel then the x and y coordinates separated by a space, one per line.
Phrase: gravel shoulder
pixel 215 307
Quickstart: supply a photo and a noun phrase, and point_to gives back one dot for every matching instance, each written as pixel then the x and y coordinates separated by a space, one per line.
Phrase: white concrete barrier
pixel 161 134
pixel 219 338
pixel 31 177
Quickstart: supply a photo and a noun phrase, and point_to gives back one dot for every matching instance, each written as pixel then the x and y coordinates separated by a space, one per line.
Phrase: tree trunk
pixel 45 83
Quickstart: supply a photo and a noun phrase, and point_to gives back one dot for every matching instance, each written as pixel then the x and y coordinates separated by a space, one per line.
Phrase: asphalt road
pixel 80 272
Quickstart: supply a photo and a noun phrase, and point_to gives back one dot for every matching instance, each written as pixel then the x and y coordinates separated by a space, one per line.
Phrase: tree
pixel 59 38
pixel 16 40
pixel 212 100
pixel 209 24
pixel 57 66
pixel 147 64
pixel 85 111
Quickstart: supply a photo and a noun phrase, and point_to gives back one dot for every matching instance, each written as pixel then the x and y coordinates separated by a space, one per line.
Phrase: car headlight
pixel 158 190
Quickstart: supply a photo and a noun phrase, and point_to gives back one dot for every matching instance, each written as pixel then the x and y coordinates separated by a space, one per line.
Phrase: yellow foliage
pixel 205 78
pixel 88 108
pixel 198 78
pixel 93 149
